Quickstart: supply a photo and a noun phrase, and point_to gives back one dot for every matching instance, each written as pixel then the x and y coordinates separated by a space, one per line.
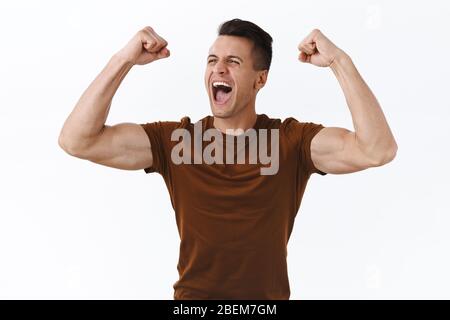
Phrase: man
pixel 234 222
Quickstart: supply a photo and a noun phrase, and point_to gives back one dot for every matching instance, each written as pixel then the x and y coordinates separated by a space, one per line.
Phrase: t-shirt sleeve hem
pixel 151 135
pixel 149 169
pixel 312 134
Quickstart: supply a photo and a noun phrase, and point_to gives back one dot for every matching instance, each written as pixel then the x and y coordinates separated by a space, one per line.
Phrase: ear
pixel 261 79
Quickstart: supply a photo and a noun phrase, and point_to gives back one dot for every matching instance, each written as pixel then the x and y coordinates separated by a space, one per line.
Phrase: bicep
pixel 335 150
pixel 123 146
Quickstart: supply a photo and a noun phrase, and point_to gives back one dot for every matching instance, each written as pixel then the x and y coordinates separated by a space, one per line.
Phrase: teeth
pixel 219 83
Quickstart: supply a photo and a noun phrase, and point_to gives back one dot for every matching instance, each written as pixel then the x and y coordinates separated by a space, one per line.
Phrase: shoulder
pixel 287 125
pixel 267 122
pixel 167 125
pixel 292 129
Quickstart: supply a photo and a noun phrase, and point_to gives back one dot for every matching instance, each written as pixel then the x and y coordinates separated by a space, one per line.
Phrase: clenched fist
pixel 146 46
pixel 318 49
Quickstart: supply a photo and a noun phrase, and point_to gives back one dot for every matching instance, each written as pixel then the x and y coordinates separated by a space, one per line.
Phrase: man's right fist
pixel 146 46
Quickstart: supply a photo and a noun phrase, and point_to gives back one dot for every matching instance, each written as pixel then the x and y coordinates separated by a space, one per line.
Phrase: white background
pixel 70 228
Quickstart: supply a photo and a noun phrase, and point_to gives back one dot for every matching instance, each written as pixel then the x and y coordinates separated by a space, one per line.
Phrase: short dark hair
pixel 262 41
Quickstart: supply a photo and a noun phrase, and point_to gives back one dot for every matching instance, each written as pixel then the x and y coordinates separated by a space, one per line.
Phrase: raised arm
pixel 85 134
pixel 339 150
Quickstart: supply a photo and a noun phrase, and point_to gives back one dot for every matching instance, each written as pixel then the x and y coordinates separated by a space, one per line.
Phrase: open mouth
pixel 221 92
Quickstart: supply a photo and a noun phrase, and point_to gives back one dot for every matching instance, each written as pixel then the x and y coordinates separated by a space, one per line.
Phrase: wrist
pixel 122 60
pixel 339 59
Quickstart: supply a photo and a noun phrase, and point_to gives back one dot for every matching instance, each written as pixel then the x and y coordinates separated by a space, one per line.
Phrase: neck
pixel 243 120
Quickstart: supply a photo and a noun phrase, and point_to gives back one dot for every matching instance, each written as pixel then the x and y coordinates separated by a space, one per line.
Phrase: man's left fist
pixel 318 49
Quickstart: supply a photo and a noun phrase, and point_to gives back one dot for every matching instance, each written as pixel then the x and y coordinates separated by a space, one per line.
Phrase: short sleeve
pixel 159 134
pixel 155 134
pixel 301 134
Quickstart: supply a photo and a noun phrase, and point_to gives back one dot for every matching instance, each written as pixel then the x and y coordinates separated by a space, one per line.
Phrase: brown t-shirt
pixel 234 223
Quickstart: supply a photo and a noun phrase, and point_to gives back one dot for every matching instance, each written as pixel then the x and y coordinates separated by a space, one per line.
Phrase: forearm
pixel 89 115
pixel 372 131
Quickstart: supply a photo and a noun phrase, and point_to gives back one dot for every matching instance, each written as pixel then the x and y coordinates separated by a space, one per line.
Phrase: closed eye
pixel 229 61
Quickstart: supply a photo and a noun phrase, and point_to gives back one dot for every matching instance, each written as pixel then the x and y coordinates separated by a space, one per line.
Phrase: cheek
pixel 244 89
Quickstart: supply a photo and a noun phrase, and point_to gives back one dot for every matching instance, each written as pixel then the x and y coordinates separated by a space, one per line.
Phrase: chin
pixel 222 111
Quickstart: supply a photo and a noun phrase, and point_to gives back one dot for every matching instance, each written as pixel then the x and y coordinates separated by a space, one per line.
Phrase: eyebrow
pixel 229 56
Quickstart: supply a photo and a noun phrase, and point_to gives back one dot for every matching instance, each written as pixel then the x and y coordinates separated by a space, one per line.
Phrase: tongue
pixel 222 96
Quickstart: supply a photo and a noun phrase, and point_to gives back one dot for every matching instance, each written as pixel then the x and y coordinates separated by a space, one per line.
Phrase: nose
pixel 219 67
